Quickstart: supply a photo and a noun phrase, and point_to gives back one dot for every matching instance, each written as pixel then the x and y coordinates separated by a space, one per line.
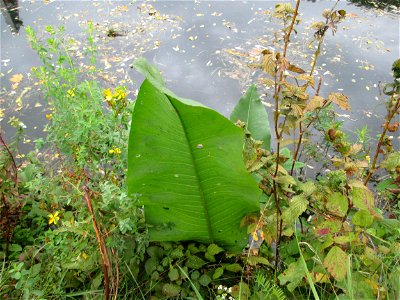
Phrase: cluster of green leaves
pixel 54 252
pixel 168 218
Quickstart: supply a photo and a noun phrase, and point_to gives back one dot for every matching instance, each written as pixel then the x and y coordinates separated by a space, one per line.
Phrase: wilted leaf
pixel 362 197
pixel 295 69
pixel 336 263
pixel 340 100
pixel 337 203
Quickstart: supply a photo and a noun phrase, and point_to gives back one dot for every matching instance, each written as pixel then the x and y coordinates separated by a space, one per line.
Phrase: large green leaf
pixel 251 111
pixel 185 166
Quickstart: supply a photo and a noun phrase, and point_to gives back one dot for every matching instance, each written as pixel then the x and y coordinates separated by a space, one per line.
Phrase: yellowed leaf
pixel 340 100
pixel 315 102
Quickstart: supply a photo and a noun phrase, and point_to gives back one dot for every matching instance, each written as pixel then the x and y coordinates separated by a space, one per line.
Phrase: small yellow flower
pixel 49 116
pixel 119 95
pixel 115 151
pixel 53 218
pixel 368 158
pixel 107 94
pixel 71 93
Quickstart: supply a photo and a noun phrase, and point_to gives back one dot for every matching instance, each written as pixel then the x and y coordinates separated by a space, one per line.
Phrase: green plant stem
pixel 305 269
pixel 389 118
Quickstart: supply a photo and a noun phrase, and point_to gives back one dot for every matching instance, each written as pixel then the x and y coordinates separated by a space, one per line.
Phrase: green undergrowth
pixel 160 197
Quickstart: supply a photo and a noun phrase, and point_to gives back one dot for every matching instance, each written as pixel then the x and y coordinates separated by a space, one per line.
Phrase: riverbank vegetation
pixel 164 198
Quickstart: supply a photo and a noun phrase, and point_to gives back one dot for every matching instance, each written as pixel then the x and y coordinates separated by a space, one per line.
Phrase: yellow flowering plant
pixel 54 218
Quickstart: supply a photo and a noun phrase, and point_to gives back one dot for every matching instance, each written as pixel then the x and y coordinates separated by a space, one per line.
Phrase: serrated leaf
pixel 336 263
pixel 362 218
pixel 293 275
pixel 337 203
pixel 340 100
pixel 391 162
pixel 314 103
pixel 308 188
pixel 252 112
pixel 297 205
pixel 194 262
pixel 214 249
pixel 362 197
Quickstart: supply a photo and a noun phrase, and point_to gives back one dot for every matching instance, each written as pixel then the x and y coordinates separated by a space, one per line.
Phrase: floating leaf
pixel 336 263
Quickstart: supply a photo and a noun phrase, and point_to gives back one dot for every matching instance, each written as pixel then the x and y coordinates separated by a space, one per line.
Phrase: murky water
pixel 198 45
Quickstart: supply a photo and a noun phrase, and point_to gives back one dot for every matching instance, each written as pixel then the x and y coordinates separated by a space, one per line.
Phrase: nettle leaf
pixel 391 162
pixel 336 263
pixel 337 203
pixel 340 100
pixel 214 249
pixel 293 276
pixel 185 166
pixel 297 205
pixel 194 262
pixel 362 218
pixel 251 111
pixel 362 197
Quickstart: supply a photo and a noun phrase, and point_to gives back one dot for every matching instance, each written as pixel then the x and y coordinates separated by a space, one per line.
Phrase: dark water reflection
pixel 189 48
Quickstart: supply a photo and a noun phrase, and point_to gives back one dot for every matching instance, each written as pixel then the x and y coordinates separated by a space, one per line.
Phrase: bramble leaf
pixel 336 263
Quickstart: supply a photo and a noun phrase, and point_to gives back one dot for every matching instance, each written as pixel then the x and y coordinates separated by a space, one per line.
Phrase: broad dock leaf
pixel 185 166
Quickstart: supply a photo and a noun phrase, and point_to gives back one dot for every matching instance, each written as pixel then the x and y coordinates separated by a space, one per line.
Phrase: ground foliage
pixel 72 228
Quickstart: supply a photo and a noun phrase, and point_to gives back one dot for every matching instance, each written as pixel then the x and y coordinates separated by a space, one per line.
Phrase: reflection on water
pixel 390 5
pixel 10 11
pixel 197 45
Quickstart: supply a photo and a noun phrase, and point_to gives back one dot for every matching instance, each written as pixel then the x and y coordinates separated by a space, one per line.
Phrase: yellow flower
pixel 119 95
pixel 368 158
pixel 49 116
pixel 107 94
pixel 115 151
pixel 71 93
pixel 53 218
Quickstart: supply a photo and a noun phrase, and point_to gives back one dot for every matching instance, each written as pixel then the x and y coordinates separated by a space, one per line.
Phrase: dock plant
pixel 164 198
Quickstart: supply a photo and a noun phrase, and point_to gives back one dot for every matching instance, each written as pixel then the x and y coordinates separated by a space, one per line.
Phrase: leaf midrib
pixel 198 177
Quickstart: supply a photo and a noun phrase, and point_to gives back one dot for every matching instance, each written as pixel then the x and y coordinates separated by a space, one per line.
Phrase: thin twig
pixel 390 116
